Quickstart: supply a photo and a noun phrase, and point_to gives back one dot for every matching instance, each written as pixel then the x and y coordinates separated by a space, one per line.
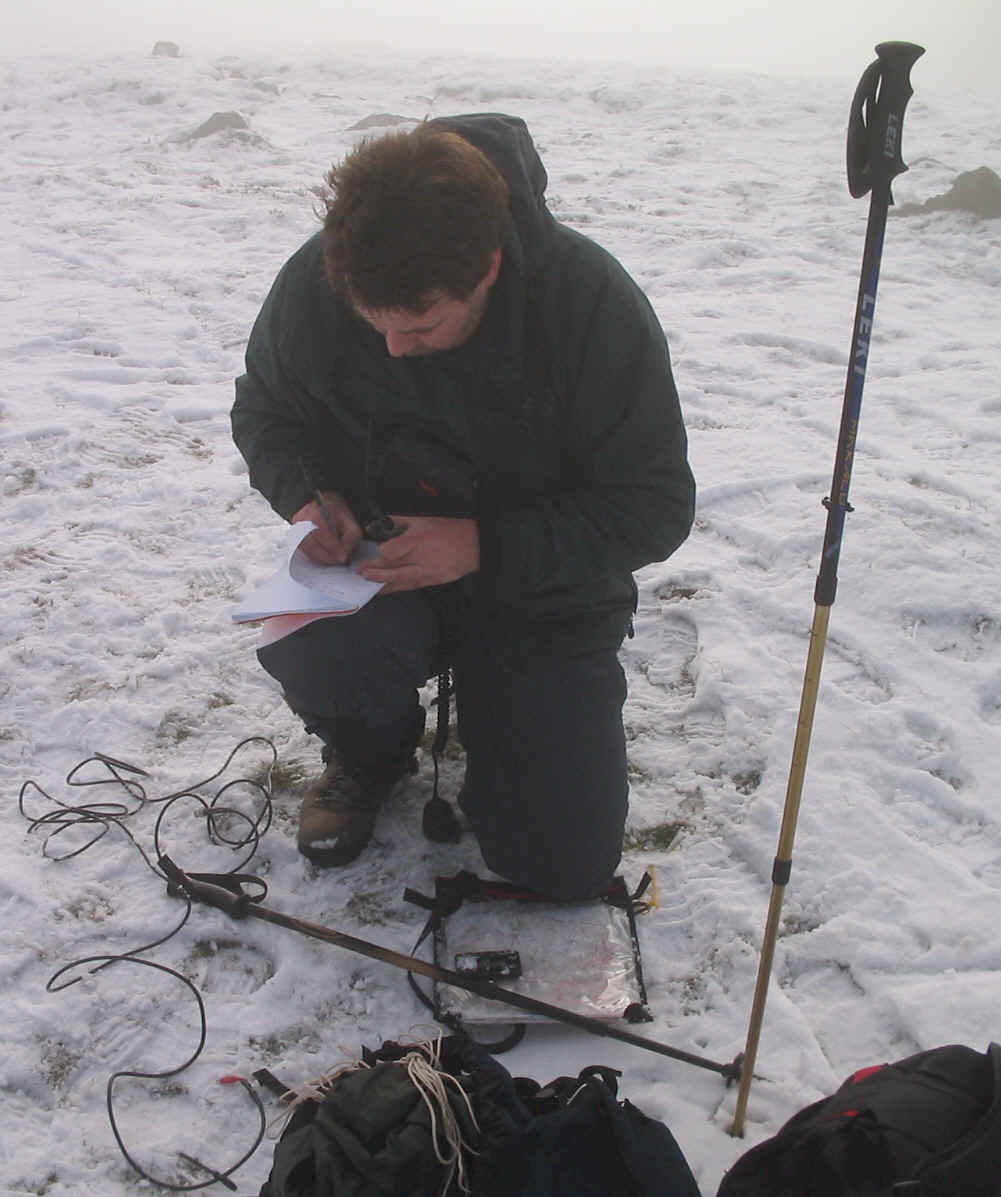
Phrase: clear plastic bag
pixel 580 956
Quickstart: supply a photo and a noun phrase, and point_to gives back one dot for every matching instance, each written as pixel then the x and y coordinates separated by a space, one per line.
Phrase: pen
pixel 379 529
pixel 328 519
pixel 321 502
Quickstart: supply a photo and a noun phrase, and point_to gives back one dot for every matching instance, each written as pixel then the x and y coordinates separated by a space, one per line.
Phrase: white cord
pixel 423 1065
pixel 314 1090
pixel 424 1069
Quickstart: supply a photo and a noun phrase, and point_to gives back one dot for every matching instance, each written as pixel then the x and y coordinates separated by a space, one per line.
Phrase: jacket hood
pixel 508 144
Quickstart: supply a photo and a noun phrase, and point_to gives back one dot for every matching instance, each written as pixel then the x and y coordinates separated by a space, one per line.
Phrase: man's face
pixel 446 324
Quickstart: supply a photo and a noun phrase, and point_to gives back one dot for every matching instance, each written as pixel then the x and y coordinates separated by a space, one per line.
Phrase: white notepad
pixel 301 587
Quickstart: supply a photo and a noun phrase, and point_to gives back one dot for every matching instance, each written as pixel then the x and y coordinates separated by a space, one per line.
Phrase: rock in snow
pixel 977 191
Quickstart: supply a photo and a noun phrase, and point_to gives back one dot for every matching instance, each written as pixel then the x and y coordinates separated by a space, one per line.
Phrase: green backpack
pixel 443 1119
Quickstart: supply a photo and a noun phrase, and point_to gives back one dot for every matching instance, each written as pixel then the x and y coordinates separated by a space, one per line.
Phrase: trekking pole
pixel 874 129
pixel 225 892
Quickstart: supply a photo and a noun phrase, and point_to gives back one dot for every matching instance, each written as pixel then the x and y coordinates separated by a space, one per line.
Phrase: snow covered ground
pixel 132 263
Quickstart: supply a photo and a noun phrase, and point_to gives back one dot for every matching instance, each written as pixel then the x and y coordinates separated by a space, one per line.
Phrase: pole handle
pixel 224 891
pixel 874 160
pixel 877 117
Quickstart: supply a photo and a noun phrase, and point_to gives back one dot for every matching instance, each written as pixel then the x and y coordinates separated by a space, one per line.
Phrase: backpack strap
pixel 450 893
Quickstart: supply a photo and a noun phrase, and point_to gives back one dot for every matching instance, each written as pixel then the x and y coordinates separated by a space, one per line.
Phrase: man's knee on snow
pixel 562 874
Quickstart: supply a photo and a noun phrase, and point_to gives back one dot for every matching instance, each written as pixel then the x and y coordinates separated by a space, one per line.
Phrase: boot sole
pixel 332 858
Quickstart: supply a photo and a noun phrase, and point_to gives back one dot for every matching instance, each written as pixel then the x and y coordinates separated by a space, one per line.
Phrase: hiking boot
pixel 338 816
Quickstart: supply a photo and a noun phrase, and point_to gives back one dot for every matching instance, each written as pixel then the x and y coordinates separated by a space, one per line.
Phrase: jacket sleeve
pixel 627 497
pixel 284 431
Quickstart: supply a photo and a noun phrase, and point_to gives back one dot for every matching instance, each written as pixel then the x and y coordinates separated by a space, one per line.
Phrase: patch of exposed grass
pixel 173 729
pixel 748 781
pixel 41 1187
pixel 95 908
pixel 205 949
pixel 651 839
pixel 284 775
pixel 453 749
pixel 269 1046
pixel 58 1063
pixel 673 591
pixel 368 908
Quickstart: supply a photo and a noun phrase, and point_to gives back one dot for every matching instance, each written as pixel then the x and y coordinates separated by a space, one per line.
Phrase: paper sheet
pixel 301 587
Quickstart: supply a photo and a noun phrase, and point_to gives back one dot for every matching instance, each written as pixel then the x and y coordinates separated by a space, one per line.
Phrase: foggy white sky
pixel 831 38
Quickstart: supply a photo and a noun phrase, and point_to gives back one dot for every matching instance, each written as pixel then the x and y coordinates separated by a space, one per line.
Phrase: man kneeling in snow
pixel 448 361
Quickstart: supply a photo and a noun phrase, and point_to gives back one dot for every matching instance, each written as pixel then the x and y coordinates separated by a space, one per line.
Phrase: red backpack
pixel 926 1126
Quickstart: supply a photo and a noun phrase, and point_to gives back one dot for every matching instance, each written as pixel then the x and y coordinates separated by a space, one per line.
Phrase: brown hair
pixel 411 216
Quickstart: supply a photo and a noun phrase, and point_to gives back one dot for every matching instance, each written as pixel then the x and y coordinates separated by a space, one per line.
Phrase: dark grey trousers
pixel 545 790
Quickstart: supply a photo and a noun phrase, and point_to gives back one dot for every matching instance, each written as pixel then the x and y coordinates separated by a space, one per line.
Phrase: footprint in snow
pixel 965 634
pixel 671 667
pixel 228 967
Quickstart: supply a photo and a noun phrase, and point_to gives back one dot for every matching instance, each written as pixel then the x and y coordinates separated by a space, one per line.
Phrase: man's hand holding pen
pixel 337 533
pixel 420 551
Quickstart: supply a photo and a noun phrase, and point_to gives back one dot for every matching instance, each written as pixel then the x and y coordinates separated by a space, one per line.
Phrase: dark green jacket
pixel 556 425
